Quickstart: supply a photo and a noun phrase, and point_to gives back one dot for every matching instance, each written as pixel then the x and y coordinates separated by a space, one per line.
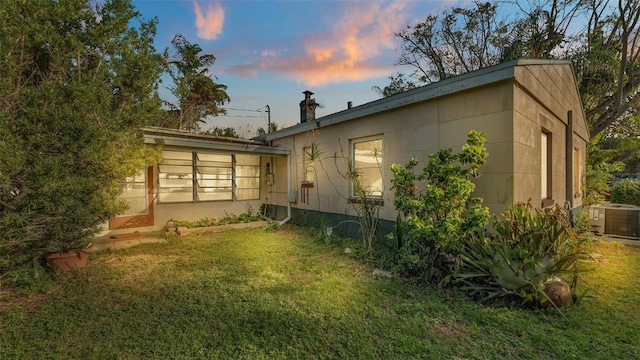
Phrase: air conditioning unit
pixel 616 220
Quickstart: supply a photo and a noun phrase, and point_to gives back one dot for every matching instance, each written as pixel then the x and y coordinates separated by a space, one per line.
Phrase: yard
pixel 255 294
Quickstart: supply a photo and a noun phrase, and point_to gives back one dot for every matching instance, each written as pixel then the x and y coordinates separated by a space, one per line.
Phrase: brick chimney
pixel 308 107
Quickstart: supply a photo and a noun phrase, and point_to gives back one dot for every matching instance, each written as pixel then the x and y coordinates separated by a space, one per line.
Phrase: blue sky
pixel 268 52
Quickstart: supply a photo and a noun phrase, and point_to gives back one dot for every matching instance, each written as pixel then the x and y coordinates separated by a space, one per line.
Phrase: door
pixel 138 193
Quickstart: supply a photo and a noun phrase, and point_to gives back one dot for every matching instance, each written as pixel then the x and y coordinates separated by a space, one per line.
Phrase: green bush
pixel 626 191
pixel 78 82
pixel 442 216
pixel 249 216
pixel 530 249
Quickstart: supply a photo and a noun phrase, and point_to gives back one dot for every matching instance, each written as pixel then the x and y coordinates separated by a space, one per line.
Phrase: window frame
pixel 380 167
pixel 546 168
pixel 577 173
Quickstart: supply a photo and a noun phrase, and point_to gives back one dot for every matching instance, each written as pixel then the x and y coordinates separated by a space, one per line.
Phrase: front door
pixel 138 193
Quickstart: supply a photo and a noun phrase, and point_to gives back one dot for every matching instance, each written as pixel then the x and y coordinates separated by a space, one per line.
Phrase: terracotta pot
pixel 67 260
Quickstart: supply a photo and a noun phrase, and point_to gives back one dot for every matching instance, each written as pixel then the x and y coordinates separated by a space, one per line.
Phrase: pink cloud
pixel 209 22
pixel 350 52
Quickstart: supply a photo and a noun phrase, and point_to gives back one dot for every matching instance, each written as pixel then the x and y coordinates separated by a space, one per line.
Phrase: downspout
pixel 569 159
pixel 285 220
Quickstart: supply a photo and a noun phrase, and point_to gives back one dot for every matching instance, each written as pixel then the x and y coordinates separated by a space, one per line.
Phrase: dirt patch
pixel 451 329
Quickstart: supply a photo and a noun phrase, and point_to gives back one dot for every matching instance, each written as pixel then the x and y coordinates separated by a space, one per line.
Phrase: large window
pixel 197 176
pixel 366 155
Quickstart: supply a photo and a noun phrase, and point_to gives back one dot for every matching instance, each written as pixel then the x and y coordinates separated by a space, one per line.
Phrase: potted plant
pixel 68 258
pixel 64 253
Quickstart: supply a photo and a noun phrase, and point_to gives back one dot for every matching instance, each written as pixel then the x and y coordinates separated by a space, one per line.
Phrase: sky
pixel 268 52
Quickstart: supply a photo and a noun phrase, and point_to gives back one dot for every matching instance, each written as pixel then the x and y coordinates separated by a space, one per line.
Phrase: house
pixel 201 176
pixel 530 111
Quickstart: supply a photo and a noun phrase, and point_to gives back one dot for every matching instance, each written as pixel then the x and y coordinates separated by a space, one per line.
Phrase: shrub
pixel 441 217
pixel 78 81
pixel 530 250
pixel 626 191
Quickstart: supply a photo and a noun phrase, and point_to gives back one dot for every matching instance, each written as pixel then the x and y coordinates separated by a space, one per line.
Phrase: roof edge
pixel 470 80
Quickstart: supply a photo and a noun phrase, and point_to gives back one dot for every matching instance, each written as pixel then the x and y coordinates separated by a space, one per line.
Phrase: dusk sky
pixel 268 52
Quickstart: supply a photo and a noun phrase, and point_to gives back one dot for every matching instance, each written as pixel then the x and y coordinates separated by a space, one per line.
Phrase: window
pixel 134 192
pixel 247 177
pixel 214 177
pixel 577 173
pixel 175 177
pixel 367 160
pixel 545 165
pixel 196 176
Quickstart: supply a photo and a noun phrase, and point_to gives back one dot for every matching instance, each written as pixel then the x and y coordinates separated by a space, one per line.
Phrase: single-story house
pixel 530 111
pixel 200 176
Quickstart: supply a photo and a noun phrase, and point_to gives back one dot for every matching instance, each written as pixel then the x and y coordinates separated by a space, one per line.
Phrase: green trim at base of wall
pixel 343 225
pixel 346 225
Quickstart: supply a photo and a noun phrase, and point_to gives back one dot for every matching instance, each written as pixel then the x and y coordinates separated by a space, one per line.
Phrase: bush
pixel 441 217
pixel 626 191
pixel 69 129
pixel 530 250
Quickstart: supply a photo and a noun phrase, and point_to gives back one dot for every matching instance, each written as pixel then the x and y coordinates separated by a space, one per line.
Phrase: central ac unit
pixel 615 219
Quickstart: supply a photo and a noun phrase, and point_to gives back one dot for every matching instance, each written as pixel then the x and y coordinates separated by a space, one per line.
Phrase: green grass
pixel 253 294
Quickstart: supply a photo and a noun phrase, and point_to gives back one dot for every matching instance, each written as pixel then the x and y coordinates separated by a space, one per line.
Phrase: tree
pixel 458 41
pixel 397 85
pixel 608 63
pixel 271 128
pixel 77 83
pixel 198 95
pixel 606 54
pixel 226 132
pixel 600 167
pixel 542 29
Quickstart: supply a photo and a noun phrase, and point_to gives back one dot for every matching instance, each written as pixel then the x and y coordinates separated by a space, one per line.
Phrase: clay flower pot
pixel 67 260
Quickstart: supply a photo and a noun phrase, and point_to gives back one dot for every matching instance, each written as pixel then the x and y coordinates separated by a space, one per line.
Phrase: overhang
pixel 183 139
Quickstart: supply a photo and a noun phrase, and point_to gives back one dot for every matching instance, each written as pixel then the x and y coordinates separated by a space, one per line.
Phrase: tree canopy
pixel 605 52
pixel 197 93
pixel 78 81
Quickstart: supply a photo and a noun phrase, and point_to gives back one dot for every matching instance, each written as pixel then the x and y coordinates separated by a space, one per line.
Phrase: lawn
pixel 253 294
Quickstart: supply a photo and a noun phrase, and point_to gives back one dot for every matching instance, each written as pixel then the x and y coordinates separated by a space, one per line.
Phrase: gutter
pixel 285 220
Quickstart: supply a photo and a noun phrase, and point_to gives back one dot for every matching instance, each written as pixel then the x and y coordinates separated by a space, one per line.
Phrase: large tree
pixel 77 82
pixel 608 63
pixel 606 52
pixel 455 42
pixel 197 94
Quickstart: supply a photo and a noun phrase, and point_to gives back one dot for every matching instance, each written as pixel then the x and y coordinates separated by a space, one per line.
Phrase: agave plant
pixel 530 249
